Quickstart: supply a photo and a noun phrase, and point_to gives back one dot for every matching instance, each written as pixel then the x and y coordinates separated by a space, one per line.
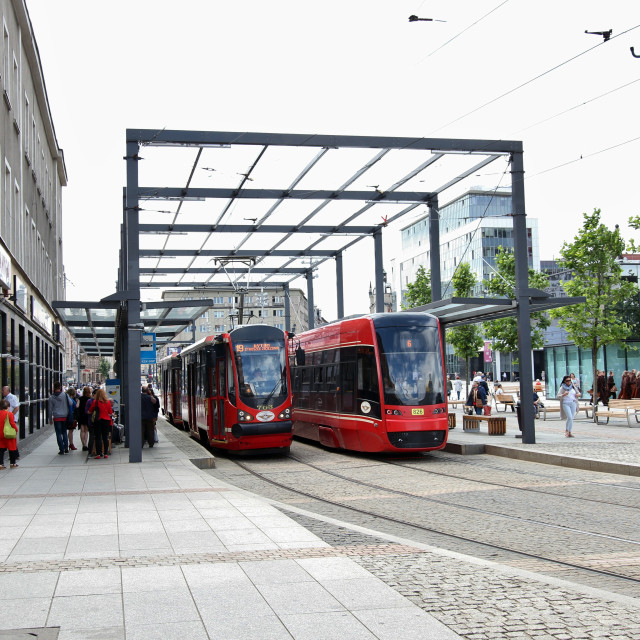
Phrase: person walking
pixel 8 443
pixel 457 385
pixel 14 407
pixel 58 410
pixel 101 411
pixel 611 386
pixel 91 427
pixel 72 422
pixel 568 396
pixel 148 414
pixel 83 417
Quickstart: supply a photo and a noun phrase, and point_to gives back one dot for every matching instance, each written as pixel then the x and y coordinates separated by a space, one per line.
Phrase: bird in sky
pixel 605 34
pixel 416 19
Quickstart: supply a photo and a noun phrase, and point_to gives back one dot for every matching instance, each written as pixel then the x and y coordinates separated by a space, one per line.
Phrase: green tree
pixel 504 331
pixel 467 339
pixel 592 259
pixel 418 291
pixel 103 368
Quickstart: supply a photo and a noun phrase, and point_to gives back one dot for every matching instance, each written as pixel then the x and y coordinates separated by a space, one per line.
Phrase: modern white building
pixel 472 228
pixel 31 265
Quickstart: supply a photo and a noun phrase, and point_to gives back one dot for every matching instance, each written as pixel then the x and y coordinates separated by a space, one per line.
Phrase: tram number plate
pixel 417 412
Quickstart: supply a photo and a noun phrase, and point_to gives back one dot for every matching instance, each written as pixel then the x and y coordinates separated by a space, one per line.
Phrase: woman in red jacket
pixel 103 423
pixel 8 443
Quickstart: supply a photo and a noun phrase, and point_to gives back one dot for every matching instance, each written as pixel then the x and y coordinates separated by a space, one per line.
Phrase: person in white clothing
pixel 568 395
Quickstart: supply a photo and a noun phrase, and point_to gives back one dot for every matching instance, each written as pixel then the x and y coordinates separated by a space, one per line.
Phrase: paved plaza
pixel 105 549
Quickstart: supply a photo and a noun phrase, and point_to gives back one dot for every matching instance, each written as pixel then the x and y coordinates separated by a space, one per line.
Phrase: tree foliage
pixel 104 367
pixel 592 258
pixel 418 291
pixel 504 331
pixel 467 339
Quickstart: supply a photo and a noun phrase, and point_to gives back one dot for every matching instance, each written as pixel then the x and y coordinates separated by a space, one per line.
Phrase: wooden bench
pixel 626 409
pixel 497 426
pixel 452 420
pixel 543 411
pixel 455 403
pixel 506 400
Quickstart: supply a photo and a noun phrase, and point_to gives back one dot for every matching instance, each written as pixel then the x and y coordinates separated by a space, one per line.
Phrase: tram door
pixel 219 397
pixel 192 394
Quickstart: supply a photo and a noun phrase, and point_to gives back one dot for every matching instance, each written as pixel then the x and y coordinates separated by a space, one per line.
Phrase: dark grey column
pixel 379 271
pixel 434 249
pixel 310 307
pixel 522 298
pixel 134 326
pixel 287 307
pixel 340 285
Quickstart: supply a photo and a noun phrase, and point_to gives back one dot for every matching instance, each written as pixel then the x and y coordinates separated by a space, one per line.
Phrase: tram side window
pixel 222 378
pixel 367 375
pixel 231 383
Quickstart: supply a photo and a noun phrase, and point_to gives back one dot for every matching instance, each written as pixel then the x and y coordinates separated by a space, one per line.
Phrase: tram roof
pixel 460 311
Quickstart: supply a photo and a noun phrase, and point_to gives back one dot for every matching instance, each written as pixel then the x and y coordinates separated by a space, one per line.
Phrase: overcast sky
pixel 345 67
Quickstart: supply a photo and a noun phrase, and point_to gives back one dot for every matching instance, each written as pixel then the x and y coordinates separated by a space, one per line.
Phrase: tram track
pixel 507 554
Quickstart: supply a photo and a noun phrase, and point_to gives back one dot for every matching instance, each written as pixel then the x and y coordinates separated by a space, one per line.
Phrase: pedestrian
pixel 625 387
pixel 568 396
pixel 477 398
pixel 101 412
pixel 14 407
pixel 536 404
pixel 8 443
pixel 457 385
pixel 58 411
pixel 148 413
pixel 91 427
pixel 83 418
pixel 156 410
pixel 449 386
pixel 72 422
pixel 611 386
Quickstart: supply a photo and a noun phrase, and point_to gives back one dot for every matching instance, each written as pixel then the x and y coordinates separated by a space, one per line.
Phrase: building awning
pixel 460 311
pixel 94 324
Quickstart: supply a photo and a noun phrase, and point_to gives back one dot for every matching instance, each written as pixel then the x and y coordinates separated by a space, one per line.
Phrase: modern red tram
pixel 374 383
pixel 234 390
pixel 171 388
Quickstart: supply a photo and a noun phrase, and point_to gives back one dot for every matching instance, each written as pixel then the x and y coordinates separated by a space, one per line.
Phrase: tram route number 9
pixel 256 347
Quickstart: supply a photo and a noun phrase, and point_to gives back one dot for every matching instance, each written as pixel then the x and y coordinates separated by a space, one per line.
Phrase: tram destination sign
pixel 258 346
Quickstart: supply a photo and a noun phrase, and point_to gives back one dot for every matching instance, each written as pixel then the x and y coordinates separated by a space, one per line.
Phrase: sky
pixel 493 69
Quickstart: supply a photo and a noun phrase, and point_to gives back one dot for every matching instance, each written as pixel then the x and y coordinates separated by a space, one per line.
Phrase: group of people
pixel 9 407
pixel 91 414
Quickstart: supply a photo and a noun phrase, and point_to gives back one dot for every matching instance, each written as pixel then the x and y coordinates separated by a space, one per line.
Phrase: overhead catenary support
pixel 522 295
pixel 434 244
pixel 379 271
pixel 339 286
pixel 133 326
pixel 310 304
pixel 287 307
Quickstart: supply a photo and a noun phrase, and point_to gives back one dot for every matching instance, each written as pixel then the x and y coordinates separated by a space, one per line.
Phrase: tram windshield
pixel 262 373
pixel 411 365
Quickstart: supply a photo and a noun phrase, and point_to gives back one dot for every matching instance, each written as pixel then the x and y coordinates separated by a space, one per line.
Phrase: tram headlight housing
pixel 243 416
pixel 285 415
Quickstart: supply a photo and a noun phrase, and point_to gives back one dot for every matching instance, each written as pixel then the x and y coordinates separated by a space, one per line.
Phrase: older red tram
pixel 373 383
pixel 170 369
pixel 234 390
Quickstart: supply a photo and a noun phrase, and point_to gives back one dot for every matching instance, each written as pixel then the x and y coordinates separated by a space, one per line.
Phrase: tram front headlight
pixel 243 416
pixel 285 415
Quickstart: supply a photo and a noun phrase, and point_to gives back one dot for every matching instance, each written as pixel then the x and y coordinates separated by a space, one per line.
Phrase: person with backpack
pixel 58 411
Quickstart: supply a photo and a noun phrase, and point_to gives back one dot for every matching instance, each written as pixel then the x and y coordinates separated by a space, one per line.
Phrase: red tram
pixel 232 391
pixel 374 383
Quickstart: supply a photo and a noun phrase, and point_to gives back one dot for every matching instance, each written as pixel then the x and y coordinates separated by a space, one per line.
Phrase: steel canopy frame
pixel 130 271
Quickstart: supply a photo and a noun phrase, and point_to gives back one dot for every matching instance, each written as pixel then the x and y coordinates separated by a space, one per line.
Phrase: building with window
pixel 249 307
pixel 472 228
pixel 31 265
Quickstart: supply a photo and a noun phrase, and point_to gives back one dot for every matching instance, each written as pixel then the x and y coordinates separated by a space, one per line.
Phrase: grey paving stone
pixel 159 607
pixel 300 597
pixel 185 630
pixel 275 572
pixel 336 625
pixel 140 579
pixel 89 611
pixel 89 582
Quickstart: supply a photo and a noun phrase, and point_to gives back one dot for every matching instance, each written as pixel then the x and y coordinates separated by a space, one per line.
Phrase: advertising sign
pixel 487 352
pixel 148 348
pixel 5 269
pixel 112 387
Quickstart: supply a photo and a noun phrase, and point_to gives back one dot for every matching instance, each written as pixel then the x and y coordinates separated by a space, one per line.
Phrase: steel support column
pixel 379 271
pixel 310 306
pixel 133 326
pixel 521 254
pixel 287 307
pixel 340 285
pixel 434 248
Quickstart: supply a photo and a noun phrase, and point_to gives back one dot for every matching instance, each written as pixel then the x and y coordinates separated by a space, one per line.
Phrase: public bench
pixel 506 400
pixel 543 411
pixel 626 409
pixel 452 420
pixel 497 426
pixel 455 403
